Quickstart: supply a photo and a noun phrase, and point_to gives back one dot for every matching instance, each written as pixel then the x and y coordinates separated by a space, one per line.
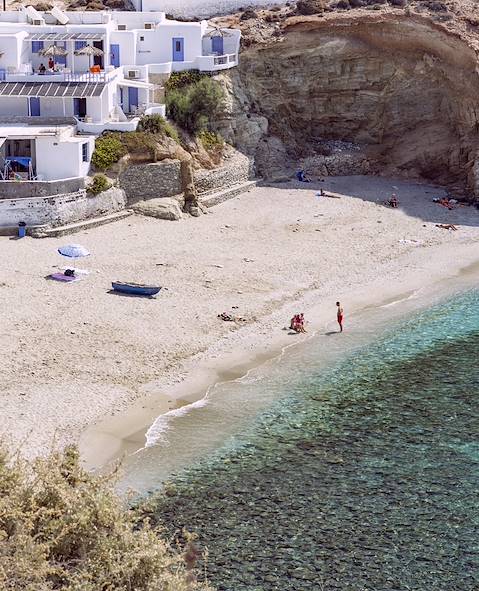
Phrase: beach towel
pixel 63 277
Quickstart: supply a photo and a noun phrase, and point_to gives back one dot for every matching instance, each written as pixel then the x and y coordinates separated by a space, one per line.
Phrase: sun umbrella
pixel 74 251
pixel 53 51
pixel 216 31
pixel 89 50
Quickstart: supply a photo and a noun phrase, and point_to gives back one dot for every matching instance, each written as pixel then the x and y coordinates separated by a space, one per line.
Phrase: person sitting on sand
pixel 294 322
pixel 393 202
pixel 297 323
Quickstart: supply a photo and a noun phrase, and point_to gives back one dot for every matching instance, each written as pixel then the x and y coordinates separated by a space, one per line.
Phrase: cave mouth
pixel 400 88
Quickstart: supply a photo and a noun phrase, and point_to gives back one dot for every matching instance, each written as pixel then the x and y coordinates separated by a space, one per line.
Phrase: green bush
pixel 99 184
pixel 182 79
pixel 195 106
pixel 156 124
pixel 211 140
pixel 62 529
pixel 108 150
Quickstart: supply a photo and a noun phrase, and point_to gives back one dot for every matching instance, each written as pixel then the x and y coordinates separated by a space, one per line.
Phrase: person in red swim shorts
pixel 340 316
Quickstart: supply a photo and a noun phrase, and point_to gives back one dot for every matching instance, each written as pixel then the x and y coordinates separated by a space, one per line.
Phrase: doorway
pixel 178 49
pixel 34 106
pixel 79 107
pixel 217 45
pixel 98 59
pixel 132 99
pixel 115 55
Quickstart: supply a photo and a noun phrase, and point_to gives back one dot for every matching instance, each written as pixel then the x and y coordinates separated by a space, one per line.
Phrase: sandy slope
pixel 73 354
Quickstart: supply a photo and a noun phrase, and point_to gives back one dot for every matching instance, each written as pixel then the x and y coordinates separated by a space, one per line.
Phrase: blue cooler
pixel 22 229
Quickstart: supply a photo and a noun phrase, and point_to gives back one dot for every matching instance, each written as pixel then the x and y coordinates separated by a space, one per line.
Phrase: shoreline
pixel 78 359
pixel 127 433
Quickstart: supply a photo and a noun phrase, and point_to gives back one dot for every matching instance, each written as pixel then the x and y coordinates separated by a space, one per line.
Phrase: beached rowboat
pixel 135 288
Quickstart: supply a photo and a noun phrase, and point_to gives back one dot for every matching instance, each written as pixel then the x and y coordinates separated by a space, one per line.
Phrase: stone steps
pixel 46 232
pixel 212 199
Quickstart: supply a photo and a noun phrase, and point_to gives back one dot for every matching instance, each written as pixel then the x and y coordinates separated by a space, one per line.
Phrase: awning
pixel 65 37
pixel 136 84
pixel 51 89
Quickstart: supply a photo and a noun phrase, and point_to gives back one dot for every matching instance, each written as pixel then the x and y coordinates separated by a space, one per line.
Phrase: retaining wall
pixel 28 189
pixel 236 169
pixel 59 210
pixel 150 181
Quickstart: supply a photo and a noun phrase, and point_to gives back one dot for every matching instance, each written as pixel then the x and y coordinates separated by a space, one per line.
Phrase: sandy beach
pixel 76 357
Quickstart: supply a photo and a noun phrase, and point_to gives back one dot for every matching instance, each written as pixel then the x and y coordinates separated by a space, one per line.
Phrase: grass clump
pixel 99 184
pixel 194 106
pixel 156 124
pixel 108 150
pixel 62 529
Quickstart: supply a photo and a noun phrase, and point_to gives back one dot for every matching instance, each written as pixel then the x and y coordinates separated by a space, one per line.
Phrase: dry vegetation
pixel 62 529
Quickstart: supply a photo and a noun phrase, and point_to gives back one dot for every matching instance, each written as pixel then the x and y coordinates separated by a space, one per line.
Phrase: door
pixel 115 55
pixel 132 98
pixel 79 107
pixel 122 99
pixel 34 106
pixel 98 59
pixel 217 45
pixel 178 49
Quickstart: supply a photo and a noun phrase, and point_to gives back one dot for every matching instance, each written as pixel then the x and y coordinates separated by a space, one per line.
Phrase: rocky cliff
pixel 402 86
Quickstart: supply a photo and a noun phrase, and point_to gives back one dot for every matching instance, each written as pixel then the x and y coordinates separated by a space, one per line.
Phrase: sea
pixel 349 463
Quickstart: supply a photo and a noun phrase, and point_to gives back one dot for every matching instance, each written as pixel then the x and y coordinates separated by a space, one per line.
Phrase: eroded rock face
pixel 402 87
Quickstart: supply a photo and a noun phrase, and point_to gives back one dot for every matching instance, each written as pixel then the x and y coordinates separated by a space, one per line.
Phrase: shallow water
pixel 364 476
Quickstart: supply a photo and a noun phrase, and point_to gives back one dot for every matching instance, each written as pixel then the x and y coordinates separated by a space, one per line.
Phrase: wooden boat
pixel 135 288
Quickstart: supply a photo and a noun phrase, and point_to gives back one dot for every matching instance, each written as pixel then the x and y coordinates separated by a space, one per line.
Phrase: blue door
pixel 115 55
pixel 34 106
pixel 122 99
pixel 79 107
pixel 132 98
pixel 178 49
pixel 217 45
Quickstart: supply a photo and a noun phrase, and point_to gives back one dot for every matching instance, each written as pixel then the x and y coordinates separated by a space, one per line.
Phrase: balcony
pixel 213 62
pixel 64 75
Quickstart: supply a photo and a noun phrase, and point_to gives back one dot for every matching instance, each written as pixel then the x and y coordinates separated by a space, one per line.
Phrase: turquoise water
pixel 363 477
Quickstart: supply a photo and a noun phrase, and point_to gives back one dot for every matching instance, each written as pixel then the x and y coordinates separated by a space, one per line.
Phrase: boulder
pixel 163 208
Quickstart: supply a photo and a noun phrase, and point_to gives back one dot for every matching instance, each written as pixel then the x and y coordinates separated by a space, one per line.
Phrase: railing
pixel 60 76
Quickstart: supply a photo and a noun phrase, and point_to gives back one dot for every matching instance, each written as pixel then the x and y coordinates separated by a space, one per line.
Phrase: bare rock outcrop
pixel 404 88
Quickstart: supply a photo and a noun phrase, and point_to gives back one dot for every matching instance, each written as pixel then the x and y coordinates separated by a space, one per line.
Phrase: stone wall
pixel 59 210
pixel 236 169
pixel 26 189
pixel 150 181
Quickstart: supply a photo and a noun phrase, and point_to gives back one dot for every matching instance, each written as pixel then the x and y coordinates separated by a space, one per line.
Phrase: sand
pixel 82 364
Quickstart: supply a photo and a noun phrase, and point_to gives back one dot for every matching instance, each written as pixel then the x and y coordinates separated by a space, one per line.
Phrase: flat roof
pixel 65 36
pixel 51 89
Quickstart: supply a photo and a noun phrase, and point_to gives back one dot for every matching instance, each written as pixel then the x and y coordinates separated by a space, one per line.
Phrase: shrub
pixel 108 150
pixel 158 124
pixel 99 184
pixel 196 105
pixel 139 142
pixel 182 79
pixel 211 140
pixel 63 529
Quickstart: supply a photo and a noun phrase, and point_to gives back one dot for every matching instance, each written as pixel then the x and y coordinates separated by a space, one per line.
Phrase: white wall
pixel 10 47
pixel 57 159
pixel 157 46
pixel 10 105
pixel 127 42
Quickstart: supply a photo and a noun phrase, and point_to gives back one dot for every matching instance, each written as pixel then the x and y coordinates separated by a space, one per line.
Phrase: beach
pixel 81 364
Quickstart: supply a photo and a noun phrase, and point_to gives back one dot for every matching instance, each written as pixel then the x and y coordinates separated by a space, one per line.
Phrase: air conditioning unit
pixel 122 27
pixel 149 25
pixel 38 22
pixel 133 73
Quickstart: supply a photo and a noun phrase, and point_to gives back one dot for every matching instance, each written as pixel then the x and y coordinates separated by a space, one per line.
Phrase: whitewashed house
pixel 52 107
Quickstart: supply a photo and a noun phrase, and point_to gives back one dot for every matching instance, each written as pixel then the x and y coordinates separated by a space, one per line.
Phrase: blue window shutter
pixel 37 46
pixel 80 45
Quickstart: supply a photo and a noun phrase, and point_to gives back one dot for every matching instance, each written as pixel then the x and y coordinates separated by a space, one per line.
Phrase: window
pixel 84 152
pixel 80 45
pixel 177 45
pixel 142 38
pixel 37 46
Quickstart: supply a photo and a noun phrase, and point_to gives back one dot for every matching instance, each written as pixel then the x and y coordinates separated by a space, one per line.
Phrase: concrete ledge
pixel 210 200
pixel 47 232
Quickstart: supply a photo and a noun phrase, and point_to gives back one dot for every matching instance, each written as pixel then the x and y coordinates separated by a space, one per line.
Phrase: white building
pixel 86 94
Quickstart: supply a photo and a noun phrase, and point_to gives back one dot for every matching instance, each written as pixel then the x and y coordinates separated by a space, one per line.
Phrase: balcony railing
pixel 60 76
